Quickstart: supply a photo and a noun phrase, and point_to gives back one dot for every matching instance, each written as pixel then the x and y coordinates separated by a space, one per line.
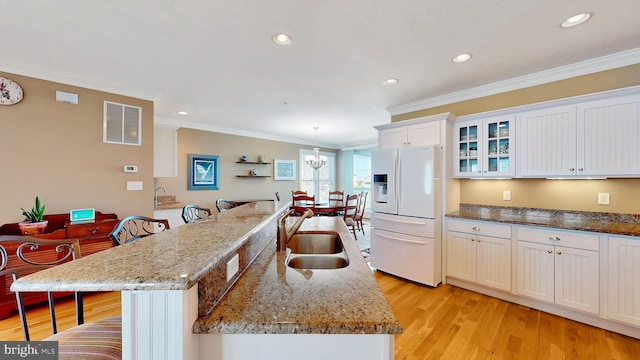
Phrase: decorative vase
pixel 33 228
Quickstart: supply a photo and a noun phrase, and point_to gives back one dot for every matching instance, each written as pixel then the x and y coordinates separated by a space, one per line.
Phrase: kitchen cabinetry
pixel 479 252
pixel 559 267
pixel 412 135
pixel 165 152
pixel 595 138
pixel 485 148
pixel 624 280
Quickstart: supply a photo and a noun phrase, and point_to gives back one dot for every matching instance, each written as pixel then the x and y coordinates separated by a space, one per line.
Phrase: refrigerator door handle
pixel 397 184
pixel 400 239
pixel 402 221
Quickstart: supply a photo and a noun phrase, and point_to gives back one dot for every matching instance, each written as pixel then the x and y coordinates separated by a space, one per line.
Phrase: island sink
pixel 317 262
pixel 316 243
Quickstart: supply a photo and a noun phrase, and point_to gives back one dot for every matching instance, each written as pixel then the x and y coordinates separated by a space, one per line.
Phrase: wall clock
pixel 10 92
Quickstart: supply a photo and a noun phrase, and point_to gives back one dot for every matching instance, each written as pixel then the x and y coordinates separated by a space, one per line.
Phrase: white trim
pixel 608 62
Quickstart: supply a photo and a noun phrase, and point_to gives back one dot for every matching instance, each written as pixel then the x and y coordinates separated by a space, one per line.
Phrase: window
pixel 122 124
pixel 321 181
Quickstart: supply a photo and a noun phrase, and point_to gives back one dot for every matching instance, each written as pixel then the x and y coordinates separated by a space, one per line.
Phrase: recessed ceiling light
pixel 183 113
pixel 575 20
pixel 461 58
pixel 390 81
pixel 282 39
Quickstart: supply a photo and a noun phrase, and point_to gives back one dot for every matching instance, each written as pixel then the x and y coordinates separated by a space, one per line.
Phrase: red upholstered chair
pixel 22 255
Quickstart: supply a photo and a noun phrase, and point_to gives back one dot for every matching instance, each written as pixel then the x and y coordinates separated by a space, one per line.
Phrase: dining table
pixel 331 207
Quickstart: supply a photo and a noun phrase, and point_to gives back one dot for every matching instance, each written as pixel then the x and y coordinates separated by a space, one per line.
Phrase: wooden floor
pixel 439 323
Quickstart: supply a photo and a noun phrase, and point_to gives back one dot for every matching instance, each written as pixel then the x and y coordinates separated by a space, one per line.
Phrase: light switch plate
pixel 603 198
pixel 134 185
pixel 506 195
pixel 233 266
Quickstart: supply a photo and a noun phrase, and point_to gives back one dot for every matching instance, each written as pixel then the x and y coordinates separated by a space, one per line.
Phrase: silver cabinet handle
pixel 475 228
pixel 550 251
pixel 572 169
pixel 580 169
pixel 559 252
pixel 554 238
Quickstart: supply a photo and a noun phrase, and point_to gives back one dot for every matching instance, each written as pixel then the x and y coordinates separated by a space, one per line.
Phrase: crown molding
pixel 20 68
pixel 608 62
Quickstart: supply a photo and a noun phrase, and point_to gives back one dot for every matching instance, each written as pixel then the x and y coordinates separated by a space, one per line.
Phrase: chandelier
pixel 315 162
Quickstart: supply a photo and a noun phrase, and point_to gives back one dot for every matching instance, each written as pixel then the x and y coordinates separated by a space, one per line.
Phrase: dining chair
pixel 22 255
pixel 362 203
pixel 192 213
pixel 303 202
pixel 277 196
pixel 350 211
pixel 136 226
pixel 296 193
pixel 224 205
pixel 336 197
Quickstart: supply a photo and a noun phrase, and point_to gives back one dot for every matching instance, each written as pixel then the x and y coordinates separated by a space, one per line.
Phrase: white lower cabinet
pixel 624 280
pixel 479 252
pixel 559 267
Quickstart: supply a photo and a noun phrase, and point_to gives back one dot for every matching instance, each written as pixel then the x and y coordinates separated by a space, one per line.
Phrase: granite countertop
pixel 168 202
pixel 175 259
pixel 272 298
pixel 601 222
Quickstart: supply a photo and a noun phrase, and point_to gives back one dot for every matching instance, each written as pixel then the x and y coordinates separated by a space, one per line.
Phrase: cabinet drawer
pixel 90 229
pixel 480 228
pixel 551 236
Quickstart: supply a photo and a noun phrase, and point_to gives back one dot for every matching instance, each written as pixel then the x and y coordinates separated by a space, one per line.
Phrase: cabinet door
pixel 461 256
pixel 423 134
pixel 535 271
pixel 498 152
pixel 165 152
pixel 467 150
pixel 392 138
pixel 608 132
pixel 576 281
pixel 547 142
pixel 624 280
pixel 493 266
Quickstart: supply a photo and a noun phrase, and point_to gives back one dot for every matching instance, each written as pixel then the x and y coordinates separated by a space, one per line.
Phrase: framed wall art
pixel 284 169
pixel 204 172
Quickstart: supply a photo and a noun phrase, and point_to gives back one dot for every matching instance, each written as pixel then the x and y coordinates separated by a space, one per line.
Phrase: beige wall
pixel 542 193
pixel 230 148
pixel 55 150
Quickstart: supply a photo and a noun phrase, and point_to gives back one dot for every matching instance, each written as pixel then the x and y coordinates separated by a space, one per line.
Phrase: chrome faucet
pixel 155 196
pixel 284 235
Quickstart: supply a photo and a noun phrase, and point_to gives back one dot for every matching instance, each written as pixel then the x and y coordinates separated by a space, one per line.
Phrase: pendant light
pixel 316 163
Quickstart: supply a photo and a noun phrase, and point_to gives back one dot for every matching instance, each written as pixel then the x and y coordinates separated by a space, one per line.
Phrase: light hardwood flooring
pixel 439 323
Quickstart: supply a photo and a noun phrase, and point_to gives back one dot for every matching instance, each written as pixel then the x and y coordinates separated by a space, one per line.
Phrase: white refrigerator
pixel 406 221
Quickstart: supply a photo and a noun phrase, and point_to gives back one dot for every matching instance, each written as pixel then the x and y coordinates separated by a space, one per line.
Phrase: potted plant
pixel 34 223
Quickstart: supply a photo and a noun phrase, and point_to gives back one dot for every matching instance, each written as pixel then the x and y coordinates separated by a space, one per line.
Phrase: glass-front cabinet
pixel 484 148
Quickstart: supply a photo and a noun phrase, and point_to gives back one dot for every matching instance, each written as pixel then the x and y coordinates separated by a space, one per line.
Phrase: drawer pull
pixel 559 252
pixel 554 238
pixel 550 251
pixel 475 228
pixel 94 230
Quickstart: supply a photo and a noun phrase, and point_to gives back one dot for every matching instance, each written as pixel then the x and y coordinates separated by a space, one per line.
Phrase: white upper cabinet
pixel 608 133
pixel 412 135
pixel 485 148
pixel 596 138
pixel 547 142
pixel 165 152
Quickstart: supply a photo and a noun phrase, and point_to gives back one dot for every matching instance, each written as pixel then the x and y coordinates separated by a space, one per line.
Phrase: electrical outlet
pixel 506 195
pixel 603 198
pixel 134 185
pixel 233 266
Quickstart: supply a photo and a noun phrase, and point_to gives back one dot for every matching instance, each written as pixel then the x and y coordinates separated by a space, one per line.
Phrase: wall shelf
pixel 252 162
pixel 253 176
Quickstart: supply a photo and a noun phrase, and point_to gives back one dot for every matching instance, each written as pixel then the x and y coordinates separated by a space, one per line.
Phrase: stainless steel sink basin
pixel 317 262
pixel 313 243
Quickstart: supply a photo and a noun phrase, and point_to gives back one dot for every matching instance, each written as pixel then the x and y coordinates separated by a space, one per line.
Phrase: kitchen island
pixel 179 302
